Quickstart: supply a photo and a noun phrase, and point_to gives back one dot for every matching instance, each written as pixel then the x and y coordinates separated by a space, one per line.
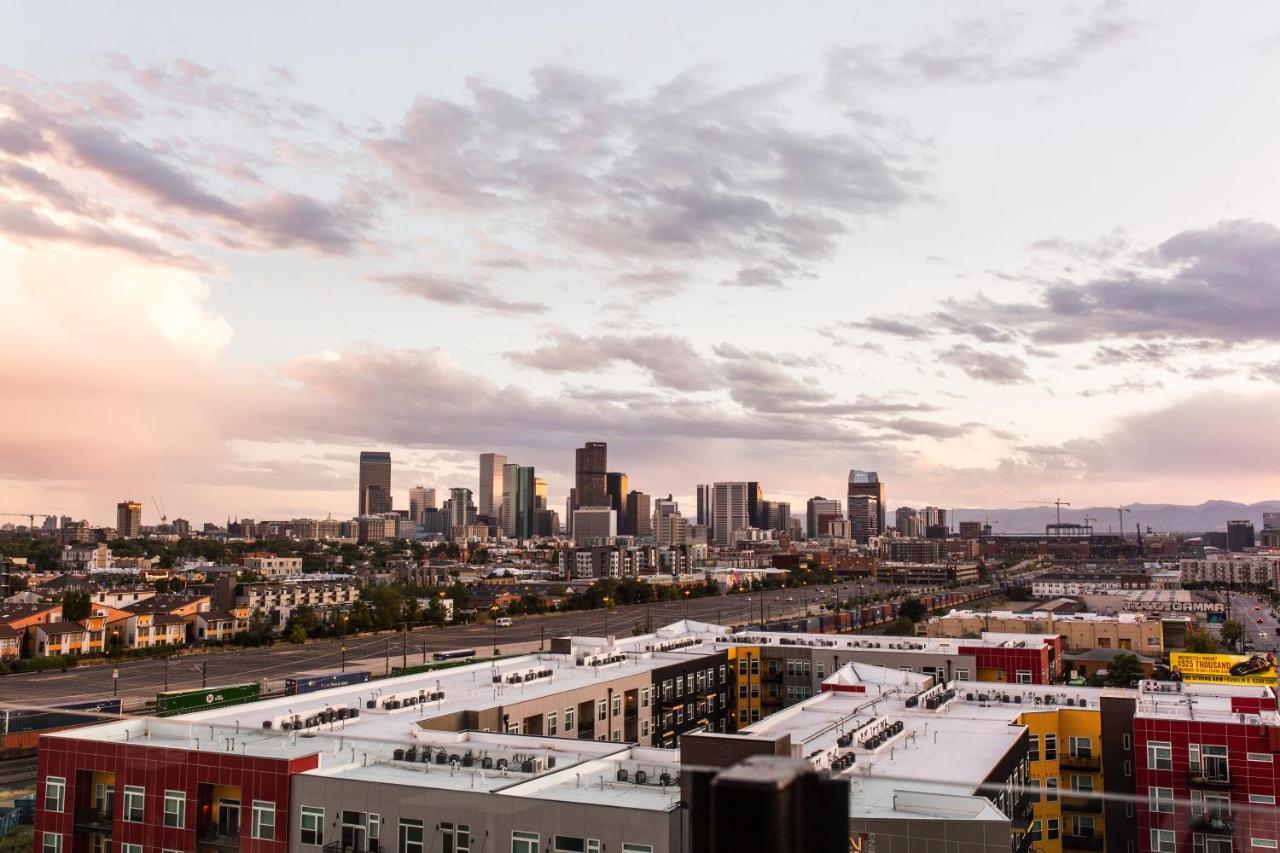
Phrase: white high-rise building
pixel 594 525
pixel 728 512
pixel 491 483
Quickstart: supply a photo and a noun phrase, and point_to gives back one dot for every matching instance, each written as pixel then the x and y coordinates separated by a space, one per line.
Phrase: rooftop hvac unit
pixel 454 757
pixel 398 755
pixel 411 754
pixel 426 755
pixel 641 777
pixel 664 778
pixel 266 724
pixel 442 757
pixel 486 763
pixel 503 764
pixel 468 760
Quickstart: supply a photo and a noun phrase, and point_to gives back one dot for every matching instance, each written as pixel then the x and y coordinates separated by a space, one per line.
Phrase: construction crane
pixel 1089 518
pixel 159 505
pixel 1120 511
pixel 29 516
pixel 1057 502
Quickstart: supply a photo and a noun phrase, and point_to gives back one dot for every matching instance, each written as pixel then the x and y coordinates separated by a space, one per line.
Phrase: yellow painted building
pixel 745 663
pixel 1065 756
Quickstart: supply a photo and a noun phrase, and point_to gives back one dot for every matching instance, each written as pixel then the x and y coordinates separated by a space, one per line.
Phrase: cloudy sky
pixel 996 253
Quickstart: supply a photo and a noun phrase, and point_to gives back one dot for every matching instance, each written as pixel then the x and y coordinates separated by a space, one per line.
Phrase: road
pixel 1248 610
pixel 142 679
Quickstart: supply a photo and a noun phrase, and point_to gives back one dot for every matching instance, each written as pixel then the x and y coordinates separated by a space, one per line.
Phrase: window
pixel 375 826
pixel 1269 843
pixel 1125 741
pixel 1162 841
pixel 1050 747
pixel 1033 748
pixel 617 706
pixel 822 669
pixel 1082 783
pixel 264 821
pixel 568 719
pixel 1213 763
pixel 636 848
pixel 1051 829
pixel 133 799
pixel 602 710
pixel 130 848
pixel 962 675
pixel 525 842
pixel 1160 799
pixel 568 844
pixel 755 666
pixel 1024 676
pixel 175 809
pixel 455 839
pixel 644 728
pixel 551 723
pixel 1128 768
pixel 1081 747
pixel 644 697
pixel 55 793
pixel 721 681
pixel 52 843
pixel 1262 799
pixel 1051 788
pixel 411 835
pixel 1259 756
pixel 1082 825
pixel 742 666
pixel 1159 756
pixel 311 827
pixel 1033 831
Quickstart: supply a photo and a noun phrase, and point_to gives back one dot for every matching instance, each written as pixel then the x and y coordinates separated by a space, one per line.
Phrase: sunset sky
pixel 996 253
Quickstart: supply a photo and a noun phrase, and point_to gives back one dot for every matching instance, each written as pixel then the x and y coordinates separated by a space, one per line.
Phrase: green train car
pixel 174 702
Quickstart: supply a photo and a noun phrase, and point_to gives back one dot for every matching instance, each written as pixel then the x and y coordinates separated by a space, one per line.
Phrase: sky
pixel 996 252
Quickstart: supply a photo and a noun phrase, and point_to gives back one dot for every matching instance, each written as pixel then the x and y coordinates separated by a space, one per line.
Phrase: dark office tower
pixel 866 484
pixel 591 475
pixel 375 482
pixel 128 519
pixel 818 515
pixel 523 503
pixel 755 498
pixel 617 487
pixel 491 485
pixel 1239 535
pixel 639 514
pixel 705 493
pixel 863 512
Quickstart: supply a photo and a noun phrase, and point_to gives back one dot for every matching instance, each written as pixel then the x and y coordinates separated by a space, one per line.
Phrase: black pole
pixel 204 674
pixel 404 648
pixel 387 656
pixel 542 636
pixel 166 673
pixel 344 655
pixel 115 681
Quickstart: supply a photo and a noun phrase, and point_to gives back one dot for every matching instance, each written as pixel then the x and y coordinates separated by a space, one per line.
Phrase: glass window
pixel 525 842
pixel 264 821
pixel 1082 783
pixel 1163 841
pixel 55 793
pixel 1159 756
pixel 628 847
pixel 1033 748
pixel 1051 829
pixel 311 827
pixel 602 710
pixel 1051 788
pixel 962 675
pixel 679 685
pixel 1213 761
pixel 1262 799
pixel 411 835
pixel 644 728
pixel 568 719
pixel 568 844
pixel 175 809
pixel 551 723
pixel 1024 677
pixel 1050 747
pixel 455 839
pixel 1081 747
pixel 133 803
pixel 130 848
pixel 644 697
pixel 617 706
pixel 1259 756
pixel 1269 843
pixel 375 826
pixel 51 842
pixel 1160 799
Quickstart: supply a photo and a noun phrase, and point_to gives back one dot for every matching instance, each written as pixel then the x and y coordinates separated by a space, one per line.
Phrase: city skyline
pixel 994 253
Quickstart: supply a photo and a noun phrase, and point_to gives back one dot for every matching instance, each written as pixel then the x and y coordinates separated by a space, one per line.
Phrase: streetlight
pixel 686 605
pixel 605 601
pixel 115 681
pixel 493 615
pixel 345 617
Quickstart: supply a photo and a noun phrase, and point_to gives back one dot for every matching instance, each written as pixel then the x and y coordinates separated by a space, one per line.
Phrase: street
pixel 142 679
pixel 1259 620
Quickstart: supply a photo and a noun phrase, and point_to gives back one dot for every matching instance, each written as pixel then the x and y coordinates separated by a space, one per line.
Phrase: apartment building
pixel 1145 634
pixel 272 566
pixel 279 598
pixel 1232 568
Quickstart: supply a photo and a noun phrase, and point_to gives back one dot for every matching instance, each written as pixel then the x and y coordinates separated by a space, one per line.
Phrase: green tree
pixel 481 557
pixel 75 606
pixel 901 627
pixel 1200 641
pixel 913 609
pixel 1232 633
pixel 297 633
pixel 386 604
pixel 361 618
pixel 1125 670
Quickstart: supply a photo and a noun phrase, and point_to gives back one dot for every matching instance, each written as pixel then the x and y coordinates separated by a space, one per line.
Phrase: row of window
pixel 1166 841
pixel 1210 760
pixel 699 681
pixel 133 808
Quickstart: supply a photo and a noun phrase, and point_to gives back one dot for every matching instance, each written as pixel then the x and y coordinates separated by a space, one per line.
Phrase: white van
pixel 504 622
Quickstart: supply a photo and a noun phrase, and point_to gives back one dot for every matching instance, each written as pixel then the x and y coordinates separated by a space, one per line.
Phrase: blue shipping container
pixel 312 683
pixel 15 722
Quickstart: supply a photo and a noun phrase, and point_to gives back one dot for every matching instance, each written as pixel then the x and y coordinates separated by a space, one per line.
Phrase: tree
pixel 913 609
pixel 297 633
pixel 1125 670
pixel 1200 641
pixel 901 627
pixel 75 606
pixel 1232 633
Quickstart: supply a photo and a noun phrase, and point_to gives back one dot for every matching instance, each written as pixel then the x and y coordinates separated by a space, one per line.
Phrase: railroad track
pixel 18 774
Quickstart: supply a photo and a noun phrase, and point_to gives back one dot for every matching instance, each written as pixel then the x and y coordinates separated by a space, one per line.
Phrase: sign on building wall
pixel 1259 668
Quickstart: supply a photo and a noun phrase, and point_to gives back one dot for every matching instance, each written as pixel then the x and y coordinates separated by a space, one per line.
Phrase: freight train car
pixel 20 728
pixel 312 683
pixel 206 698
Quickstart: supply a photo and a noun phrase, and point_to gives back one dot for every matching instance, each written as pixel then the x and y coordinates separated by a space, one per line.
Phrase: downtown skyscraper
pixel 375 482
pixel 866 493
pixel 491 485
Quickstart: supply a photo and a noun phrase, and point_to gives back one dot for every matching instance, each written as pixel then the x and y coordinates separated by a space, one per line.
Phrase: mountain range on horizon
pixel 1159 517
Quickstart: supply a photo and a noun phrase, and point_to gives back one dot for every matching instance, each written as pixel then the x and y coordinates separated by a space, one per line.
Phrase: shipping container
pixel 206 699
pixel 34 721
pixel 312 683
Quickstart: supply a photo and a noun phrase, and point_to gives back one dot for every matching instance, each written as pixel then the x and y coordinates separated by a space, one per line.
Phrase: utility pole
pixel 404 649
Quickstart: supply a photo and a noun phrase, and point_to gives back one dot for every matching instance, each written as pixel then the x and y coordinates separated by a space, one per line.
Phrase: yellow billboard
pixel 1258 668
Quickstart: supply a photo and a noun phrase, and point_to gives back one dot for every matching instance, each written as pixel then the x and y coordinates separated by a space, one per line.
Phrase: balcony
pixel 1219 824
pixel 93 820
pixel 1020 817
pixel 1082 805
pixel 1082 842
pixel 1090 763
pixel 211 835
pixel 1203 778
